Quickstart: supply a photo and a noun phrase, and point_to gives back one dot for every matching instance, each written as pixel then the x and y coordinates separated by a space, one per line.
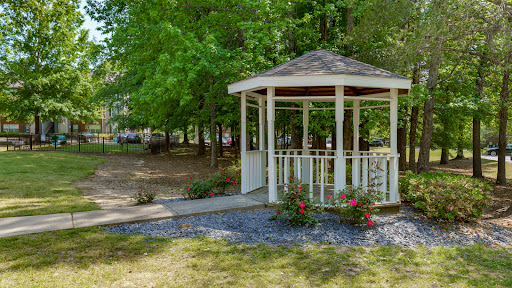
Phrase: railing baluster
pixel 317 168
pixel 365 172
pixel 322 180
pixel 281 168
pixel 287 168
pixel 311 178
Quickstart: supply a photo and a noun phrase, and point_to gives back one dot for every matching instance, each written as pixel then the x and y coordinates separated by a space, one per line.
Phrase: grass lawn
pixel 91 257
pixel 435 155
pixel 36 183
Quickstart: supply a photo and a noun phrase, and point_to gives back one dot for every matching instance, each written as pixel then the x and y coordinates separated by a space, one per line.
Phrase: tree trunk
pixel 502 141
pixel 477 155
pixel 348 138
pixel 213 137
pixel 185 137
pixel 402 144
pixel 444 156
pixel 201 149
pixel 364 145
pixel 36 123
pixel 167 142
pixel 296 142
pixel 428 110
pixel 416 75
pixel 221 148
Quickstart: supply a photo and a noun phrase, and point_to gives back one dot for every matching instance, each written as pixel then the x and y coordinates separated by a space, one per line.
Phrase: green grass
pixel 91 257
pixel 435 155
pixel 36 183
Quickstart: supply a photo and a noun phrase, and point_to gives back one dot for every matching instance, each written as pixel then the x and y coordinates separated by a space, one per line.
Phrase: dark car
pixel 134 138
pixel 494 151
pixel 376 143
pixel 120 138
pixel 87 137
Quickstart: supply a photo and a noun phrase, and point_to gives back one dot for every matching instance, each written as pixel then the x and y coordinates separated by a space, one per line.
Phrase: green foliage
pixel 144 196
pixel 45 59
pixel 356 205
pixel 446 196
pixel 296 206
pixel 199 189
pixel 218 182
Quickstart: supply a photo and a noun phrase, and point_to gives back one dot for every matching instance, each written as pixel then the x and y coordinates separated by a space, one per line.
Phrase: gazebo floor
pixel 261 194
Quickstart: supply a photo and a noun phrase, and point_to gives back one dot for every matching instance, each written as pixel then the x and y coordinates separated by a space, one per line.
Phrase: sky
pixel 90 24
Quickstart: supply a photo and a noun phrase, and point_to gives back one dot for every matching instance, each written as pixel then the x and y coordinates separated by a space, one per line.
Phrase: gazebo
pixel 319 76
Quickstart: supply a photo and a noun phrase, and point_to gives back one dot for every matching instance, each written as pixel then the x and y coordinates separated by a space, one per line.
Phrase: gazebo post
pixel 243 143
pixel 394 197
pixel 356 162
pixel 272 179
pixel 339 165
pixel 305 143
pixel 261 115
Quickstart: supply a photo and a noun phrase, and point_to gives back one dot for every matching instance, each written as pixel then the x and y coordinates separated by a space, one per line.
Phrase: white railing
pixel 378 170
pixel 254 175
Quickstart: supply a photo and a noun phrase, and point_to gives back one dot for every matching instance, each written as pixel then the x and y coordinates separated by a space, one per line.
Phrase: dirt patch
pixel 122 175
pixel 500 211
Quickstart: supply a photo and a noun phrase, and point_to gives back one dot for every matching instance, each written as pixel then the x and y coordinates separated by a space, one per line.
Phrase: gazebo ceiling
pixel 318 72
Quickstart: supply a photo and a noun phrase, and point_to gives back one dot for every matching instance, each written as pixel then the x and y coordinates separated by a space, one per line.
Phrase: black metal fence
pixel 88 142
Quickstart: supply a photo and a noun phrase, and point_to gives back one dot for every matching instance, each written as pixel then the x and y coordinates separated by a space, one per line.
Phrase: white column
pixel 356 163
pixel 339 164
pixel 305 143
pixel 243 144
pixel 272 181
pixel 262 141
pixel 393 163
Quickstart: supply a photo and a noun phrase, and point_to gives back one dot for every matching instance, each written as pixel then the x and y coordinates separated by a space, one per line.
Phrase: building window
pixel 13 128
pixel 95 128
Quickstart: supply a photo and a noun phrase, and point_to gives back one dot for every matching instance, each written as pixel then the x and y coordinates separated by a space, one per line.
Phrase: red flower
pixel 302 205
pixel 350 187
pixel 342 196
pixel 361 204
pixel 367 215
pixel 222 170
pixel 353 202
pixel 371 208
pixel 330 196
pixel 188 188
pixel 277 213
pixel 301 211
pixel 300 187
pixel 228 180
pixel 233 182
pixel 211 194
pixel 370 223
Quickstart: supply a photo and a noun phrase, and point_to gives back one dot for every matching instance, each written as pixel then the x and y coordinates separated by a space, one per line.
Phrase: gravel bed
pixel 409 229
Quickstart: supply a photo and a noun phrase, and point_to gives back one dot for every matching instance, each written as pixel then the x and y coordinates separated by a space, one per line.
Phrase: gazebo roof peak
pixel 325 62
pixel 318 72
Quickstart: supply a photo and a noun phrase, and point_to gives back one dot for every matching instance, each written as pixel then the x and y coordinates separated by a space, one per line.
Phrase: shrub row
pixel 218 183
pixel 446 196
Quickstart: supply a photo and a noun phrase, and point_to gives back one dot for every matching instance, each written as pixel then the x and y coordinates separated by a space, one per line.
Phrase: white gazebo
pixel 319 76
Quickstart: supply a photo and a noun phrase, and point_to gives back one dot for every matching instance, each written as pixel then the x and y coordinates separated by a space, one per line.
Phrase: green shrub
pixel 144 196
pixel 446 196
pixel 296 205
pixel 356 205
pixel 199 189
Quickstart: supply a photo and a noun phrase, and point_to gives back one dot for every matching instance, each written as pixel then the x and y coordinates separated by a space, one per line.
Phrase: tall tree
pixel 46 57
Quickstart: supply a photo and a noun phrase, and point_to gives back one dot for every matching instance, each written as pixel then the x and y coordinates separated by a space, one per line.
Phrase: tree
pixel 45 56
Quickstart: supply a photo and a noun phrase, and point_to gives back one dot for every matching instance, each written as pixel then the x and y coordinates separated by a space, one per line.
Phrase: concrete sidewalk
pixel 12 226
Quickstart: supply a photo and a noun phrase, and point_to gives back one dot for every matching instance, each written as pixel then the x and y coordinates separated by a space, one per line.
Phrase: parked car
pixel 494 151
pixel 120 138
pixel 281 141
pixel 229 141
pixel 58 140
pixel 376 143
pixel 133 138
pixel 208 141
pixel 87 137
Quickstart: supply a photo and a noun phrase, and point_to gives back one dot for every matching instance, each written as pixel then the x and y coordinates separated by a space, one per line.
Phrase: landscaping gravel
pixel 408 228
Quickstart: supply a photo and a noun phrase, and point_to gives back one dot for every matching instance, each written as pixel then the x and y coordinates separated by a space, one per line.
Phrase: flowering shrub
pixel 199 189
pixel 356 205
pixel 446 196
pixel 296 205
pixel 222 180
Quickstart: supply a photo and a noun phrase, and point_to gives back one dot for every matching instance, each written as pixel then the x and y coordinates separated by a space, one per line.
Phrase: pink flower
pixel 302 205
pixel 202 181
pixel 373 204
pixel 330 196
pixel 367 215
pixel 350 187
pixel 301 211
pixel 277 213
pixel 342 196
pixel 222 170
pixel 300 187
pixel 226 172
pixel 211 194
pixel 370 223
pixel 188 188
pixel 233 182
pixel 361 204
pixel 228 180
pixel 353 202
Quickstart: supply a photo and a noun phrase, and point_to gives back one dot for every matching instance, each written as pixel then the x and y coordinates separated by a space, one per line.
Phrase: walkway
pixel 12 226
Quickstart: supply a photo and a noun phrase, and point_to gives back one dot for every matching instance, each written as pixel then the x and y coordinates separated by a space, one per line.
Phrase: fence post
pixel 78 138
pixel 7 141
pixel 54 142
pixel 30 142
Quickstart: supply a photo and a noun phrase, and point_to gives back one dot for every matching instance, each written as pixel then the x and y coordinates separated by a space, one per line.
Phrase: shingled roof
pixel 324 62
